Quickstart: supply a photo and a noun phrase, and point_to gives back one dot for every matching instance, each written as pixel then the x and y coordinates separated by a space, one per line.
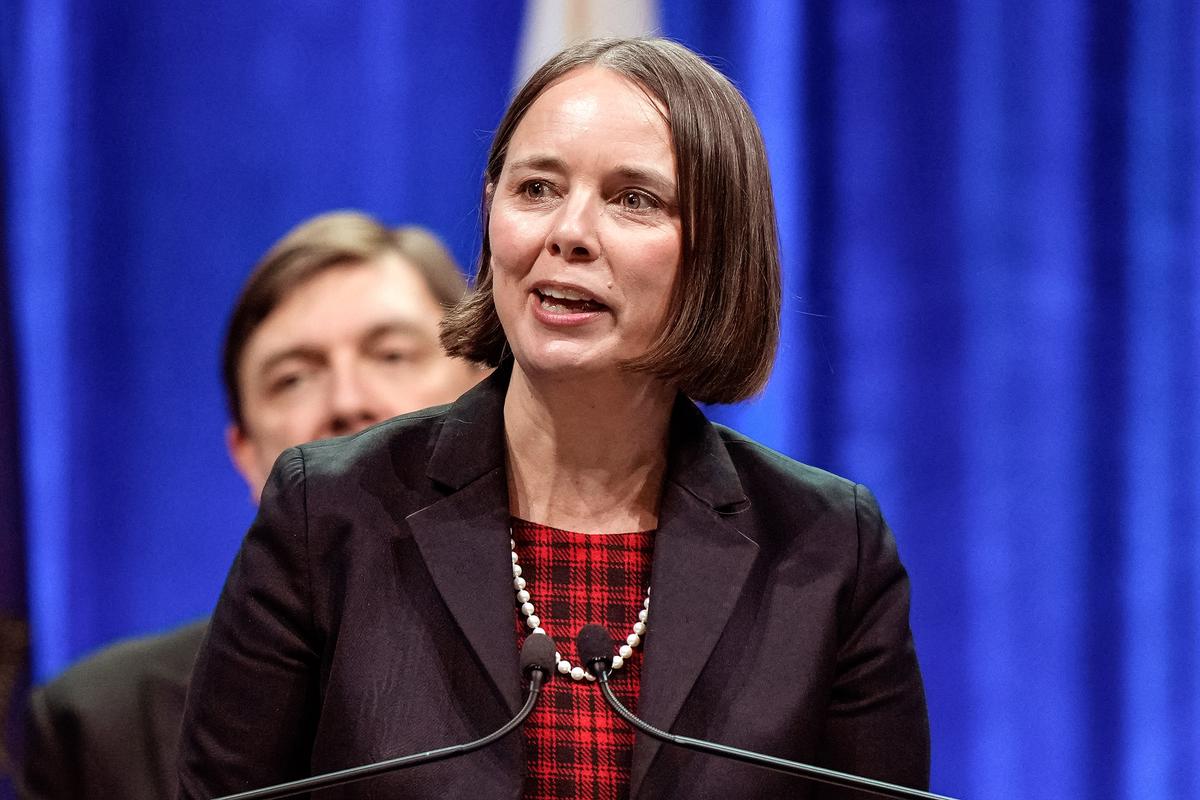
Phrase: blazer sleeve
pixel 877 724
pixel 252 704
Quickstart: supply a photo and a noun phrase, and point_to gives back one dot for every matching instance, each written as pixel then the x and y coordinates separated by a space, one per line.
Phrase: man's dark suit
pixel 370 611
pixel 108 727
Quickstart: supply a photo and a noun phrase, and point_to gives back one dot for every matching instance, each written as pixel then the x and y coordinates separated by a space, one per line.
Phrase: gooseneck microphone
pixel 537 664
pixel 595 650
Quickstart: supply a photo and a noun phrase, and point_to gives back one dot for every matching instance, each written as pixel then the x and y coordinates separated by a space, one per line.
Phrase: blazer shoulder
pixel 363 482
pixel 404 441
pixel 762 468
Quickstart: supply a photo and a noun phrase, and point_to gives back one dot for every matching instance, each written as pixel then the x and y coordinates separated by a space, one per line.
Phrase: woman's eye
pixel 535 190
pixel 637 201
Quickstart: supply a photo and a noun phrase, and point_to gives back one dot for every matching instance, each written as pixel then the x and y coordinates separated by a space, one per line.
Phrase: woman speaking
pixel 629 268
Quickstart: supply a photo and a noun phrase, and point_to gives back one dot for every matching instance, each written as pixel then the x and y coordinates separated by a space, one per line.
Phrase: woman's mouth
pixel 556 300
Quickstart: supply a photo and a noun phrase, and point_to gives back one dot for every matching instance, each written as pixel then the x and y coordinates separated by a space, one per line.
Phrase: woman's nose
pixel 573 235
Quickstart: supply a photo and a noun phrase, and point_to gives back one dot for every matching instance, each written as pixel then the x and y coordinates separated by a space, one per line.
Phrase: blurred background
pixel 990 221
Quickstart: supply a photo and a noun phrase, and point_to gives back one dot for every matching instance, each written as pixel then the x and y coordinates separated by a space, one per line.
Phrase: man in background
pixel 335 329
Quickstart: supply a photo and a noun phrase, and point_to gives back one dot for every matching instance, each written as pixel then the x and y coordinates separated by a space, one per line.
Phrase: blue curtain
pixel 14 607
pixel 989 216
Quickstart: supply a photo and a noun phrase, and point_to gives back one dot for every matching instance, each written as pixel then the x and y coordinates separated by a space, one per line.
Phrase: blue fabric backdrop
pixel 989 216
pixel 14 608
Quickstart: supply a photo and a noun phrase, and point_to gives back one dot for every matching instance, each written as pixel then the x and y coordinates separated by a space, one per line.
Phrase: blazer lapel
pixel 463 537
pixel 701 561
pixel 464 541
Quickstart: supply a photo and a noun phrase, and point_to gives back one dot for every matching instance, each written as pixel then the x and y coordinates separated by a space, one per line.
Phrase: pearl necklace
pixel 525 603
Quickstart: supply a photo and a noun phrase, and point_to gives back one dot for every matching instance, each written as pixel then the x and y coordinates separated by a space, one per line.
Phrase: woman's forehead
pixel 596 106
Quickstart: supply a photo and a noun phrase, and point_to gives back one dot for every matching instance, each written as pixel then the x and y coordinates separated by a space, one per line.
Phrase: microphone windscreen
pixel 594 645
pixel 537 653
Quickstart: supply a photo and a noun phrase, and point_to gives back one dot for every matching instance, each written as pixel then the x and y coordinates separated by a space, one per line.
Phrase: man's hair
pixel 719 338
pixel 336 239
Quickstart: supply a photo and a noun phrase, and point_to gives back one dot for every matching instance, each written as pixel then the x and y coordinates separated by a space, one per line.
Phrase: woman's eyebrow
pixel 646 175
pixel 637 174
pixel 540 162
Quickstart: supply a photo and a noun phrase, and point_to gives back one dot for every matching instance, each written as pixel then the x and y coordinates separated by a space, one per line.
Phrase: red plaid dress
pixel 576 747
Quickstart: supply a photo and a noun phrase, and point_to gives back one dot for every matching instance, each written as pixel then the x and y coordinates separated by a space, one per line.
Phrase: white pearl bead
pixel 564 667
pixel 646 604
pixel 557 657
pixel 618 662
pixel 533 621
pixel 625 651
pixel 647 591
pixel 519 583
pixel 633 639
pixel 512 543
pixel 516 570
pixel 590 676
pixel 542 631
pixel 639 628
pixel 641 614
pixel 523 597
pixel 527 608
pixel 577 673
pixel 514 555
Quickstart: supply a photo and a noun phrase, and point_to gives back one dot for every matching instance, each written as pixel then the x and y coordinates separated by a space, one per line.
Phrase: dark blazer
pixel 369 614
pixel 108 727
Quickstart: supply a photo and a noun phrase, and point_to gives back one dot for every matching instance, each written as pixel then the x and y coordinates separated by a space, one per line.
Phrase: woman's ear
pixel 489 194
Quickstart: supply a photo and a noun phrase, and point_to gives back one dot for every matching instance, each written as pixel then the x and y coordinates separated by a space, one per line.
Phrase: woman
pixel 629 267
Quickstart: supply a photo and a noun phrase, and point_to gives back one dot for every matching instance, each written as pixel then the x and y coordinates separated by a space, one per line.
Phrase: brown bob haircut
pixel 335 239
pixel 719 339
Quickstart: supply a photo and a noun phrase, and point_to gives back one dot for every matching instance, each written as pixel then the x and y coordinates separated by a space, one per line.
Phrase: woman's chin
pixel 561 363
pixel 564 358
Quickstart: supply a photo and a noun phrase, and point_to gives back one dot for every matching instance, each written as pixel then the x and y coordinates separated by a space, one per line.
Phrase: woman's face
pixel 585 229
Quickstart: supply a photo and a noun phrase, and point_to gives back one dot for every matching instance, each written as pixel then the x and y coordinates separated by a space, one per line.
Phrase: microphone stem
pixel 842 779
pixel 369 770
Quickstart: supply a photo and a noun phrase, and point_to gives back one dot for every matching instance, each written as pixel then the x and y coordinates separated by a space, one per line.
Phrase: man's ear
pixel 245 459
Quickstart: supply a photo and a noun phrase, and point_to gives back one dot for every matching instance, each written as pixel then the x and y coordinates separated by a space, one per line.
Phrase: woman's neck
pixel 587 454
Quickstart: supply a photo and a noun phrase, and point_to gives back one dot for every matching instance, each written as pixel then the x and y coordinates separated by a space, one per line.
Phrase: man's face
pixel 349 347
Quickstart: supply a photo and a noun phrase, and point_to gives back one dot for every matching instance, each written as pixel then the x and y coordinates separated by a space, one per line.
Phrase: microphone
pixel 537 664
pixel 595 651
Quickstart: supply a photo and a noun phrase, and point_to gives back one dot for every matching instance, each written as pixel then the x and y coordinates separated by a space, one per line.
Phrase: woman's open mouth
pixel 556 300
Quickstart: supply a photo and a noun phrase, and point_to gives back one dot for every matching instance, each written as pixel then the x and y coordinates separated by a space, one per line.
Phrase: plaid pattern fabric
pixel 576 746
